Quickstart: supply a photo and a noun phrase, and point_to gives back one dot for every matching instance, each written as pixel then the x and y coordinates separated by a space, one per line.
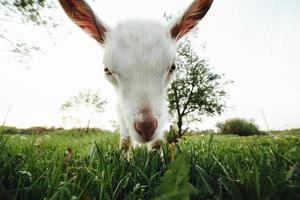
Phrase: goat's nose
pixel 146 128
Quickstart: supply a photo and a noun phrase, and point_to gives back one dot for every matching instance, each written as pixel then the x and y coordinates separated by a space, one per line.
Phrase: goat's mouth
pixel 142 139
pixel 147 139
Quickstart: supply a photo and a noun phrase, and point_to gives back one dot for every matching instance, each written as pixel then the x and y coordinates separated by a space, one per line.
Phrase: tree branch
pixel 185 130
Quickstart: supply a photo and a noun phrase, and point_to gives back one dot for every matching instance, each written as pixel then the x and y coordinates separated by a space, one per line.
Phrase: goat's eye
pixel 107 72
pixel 172 68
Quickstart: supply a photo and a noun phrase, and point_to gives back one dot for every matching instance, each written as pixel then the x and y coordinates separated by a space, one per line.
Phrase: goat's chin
pixel 141 140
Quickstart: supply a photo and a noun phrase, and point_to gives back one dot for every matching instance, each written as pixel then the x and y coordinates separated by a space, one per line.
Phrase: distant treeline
pixel 43 130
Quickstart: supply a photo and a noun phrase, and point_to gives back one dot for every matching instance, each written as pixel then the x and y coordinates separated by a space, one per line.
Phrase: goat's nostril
pixel 146 129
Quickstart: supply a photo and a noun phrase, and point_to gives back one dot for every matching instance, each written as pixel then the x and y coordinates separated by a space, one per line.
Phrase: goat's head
pixel 139 62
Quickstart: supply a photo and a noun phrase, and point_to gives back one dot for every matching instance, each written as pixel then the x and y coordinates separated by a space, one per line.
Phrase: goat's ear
pixel 190 18
pixel 82 15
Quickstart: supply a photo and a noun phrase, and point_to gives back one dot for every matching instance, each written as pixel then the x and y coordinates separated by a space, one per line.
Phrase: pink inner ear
pixel 81 13
pixel 190 18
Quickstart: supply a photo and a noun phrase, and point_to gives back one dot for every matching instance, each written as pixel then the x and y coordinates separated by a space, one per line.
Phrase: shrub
pixel 9 130
pixel 238 126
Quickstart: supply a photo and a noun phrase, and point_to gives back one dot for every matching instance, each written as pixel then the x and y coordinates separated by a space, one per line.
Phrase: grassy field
pixel 73 165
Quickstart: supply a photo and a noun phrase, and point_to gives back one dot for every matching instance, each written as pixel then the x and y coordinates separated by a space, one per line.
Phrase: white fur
pixel 139 54
pixel 138 57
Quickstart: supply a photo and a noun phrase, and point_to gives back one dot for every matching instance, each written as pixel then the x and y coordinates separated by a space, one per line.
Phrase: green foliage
pixel 29 10
pixel 196 90
pixel 10 130
pixel 238 126
pixel 175 183
pixel 68 164
pixel 23 15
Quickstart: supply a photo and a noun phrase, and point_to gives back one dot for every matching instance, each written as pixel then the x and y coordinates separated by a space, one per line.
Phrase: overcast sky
pixel 255 43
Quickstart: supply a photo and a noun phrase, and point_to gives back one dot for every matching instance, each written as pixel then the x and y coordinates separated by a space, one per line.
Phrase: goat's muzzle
pixel 146 126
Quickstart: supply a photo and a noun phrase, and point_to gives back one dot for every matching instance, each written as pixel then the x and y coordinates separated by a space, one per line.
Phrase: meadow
pixel 70 164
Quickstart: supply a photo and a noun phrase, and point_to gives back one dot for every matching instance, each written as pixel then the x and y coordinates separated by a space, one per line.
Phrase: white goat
pixel 139 62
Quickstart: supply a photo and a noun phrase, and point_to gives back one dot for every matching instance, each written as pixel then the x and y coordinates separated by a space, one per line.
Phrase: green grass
pixel 34 166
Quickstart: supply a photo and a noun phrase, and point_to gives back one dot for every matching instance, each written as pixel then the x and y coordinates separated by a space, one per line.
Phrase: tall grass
pixel 75 165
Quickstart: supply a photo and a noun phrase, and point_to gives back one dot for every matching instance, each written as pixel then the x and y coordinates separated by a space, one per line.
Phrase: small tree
pixel 88 101
pixel 196 90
